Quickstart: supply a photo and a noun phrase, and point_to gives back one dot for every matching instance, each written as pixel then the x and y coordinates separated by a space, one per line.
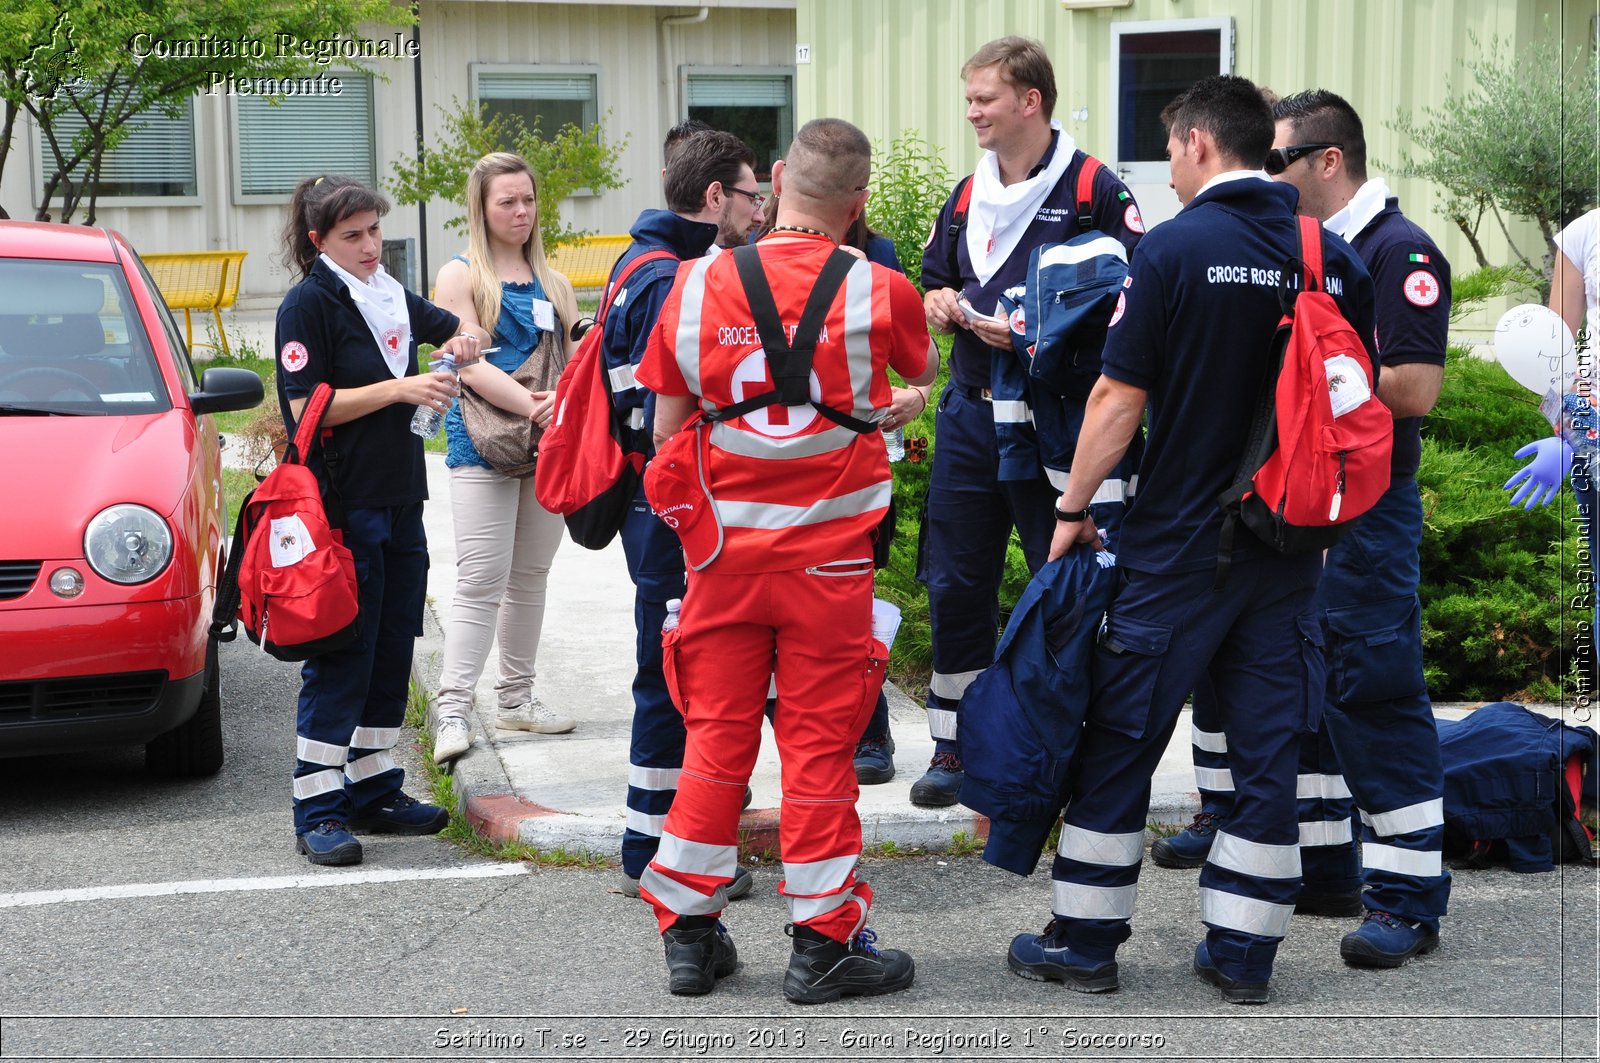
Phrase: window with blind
pixel 543 98
pixel 156 159
pixel 282 143
pixel 758 108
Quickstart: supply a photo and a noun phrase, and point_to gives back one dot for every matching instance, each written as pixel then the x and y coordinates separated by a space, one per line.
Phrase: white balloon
pixel 1536 348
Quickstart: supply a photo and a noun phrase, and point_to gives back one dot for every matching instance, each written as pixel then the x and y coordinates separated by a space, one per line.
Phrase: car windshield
pixel 71 342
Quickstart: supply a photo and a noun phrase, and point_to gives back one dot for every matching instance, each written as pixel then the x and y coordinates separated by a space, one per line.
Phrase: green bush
pixel 909 185
pixel 1496 581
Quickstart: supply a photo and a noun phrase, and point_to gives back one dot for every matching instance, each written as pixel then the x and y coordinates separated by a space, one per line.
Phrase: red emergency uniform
pixel 791 591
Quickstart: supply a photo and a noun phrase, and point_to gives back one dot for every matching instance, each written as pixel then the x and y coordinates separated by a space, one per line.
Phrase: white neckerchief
pixel 382 303
pixel 998 214
pixel 1357 214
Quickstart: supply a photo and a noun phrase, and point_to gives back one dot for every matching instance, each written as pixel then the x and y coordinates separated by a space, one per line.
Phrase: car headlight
pixel 128 544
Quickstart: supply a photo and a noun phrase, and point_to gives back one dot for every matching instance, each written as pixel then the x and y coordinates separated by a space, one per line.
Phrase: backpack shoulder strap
pixel 621 280
pixel 1086 175
pixel 789 360
pixel 305 433
pixel 1311 250
pixel 958 217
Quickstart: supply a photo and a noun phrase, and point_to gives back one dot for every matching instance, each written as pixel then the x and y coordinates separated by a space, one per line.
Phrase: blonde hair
pixel 485 282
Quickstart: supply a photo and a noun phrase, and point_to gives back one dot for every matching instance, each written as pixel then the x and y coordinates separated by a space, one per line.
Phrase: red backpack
pixel 290 578
pixel 584 473
pixel 1319 445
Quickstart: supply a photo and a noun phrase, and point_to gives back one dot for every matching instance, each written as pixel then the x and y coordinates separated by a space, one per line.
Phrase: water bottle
pixel 671 622
pixel 894 441
pixel 428 419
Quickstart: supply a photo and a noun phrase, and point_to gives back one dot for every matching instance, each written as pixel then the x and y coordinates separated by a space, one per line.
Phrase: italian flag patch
pixel 1418 258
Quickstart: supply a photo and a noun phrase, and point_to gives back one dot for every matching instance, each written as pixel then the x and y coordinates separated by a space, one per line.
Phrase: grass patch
pixel 1162 830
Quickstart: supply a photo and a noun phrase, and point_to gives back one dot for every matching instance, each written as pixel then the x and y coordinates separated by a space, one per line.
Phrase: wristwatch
pixel 1074 516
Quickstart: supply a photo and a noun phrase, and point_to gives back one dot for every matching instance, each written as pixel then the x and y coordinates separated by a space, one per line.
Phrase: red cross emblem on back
pixel 777 415
pixel 1421 288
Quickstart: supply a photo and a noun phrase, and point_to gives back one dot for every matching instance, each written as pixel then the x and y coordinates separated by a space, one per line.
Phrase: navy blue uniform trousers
pixel 1258 642
pixel 353 703
pixel 965 532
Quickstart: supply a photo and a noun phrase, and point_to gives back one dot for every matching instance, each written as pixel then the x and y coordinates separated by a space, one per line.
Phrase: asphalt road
pixel 173 921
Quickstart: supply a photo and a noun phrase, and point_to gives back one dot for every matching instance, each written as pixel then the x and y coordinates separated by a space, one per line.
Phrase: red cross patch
pixel 1122 304
pixel 1421 288
pixel 1131 219
pixel 294 356
pixel 391 339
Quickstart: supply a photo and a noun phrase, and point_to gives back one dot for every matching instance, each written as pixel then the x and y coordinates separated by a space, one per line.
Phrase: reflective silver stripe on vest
pixel 1011 411
pixel 1398 861
pixel 318 782
pixel 773 516
pixel 1325 832
pixel 622 378
pixel 636 418
pixel 731 440
pixel 697 858
pixel 1420 816
pixel 952 685
pixel 1068 254
pixel 1254 858
pixel 1107 850
pixel 817 877
pixel 1233 912
pixel 1217 779
pixel 942 724
pixel 1210 741
pixel 688 338
pixel 653 778
pixel 1323 787
pixel 313 752
pixel 1077 901
pixel 858 336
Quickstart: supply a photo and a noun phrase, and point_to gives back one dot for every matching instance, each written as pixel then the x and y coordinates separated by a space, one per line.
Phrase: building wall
pixel 899 68
pixel 639 59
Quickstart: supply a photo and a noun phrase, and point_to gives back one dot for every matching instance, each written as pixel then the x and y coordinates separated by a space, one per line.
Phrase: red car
pixel 112 526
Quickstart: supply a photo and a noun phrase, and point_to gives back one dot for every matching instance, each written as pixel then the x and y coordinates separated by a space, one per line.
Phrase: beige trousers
pixel 504 544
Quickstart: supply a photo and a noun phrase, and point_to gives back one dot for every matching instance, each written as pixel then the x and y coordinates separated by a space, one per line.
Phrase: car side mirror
pixel 223 389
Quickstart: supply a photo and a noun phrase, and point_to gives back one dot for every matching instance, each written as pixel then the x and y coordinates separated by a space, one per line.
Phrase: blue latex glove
pixel 1552 460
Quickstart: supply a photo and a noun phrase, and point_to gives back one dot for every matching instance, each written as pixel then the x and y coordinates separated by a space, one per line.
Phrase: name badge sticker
pixel 544 315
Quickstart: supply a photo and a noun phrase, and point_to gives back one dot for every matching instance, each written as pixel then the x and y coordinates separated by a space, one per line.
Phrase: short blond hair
pixel 1023 64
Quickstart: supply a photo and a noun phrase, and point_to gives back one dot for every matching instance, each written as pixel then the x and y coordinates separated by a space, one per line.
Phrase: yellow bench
pixel 588 262
pixel 198 280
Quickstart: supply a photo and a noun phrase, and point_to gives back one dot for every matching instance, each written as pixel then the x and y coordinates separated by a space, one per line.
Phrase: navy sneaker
pixel 1384 940
pixel 402 814
pixel 874 761
pixel 1190 846
pixel 823 970
pixel 741 886
pixel 1233 990
pixel 1046 958
pixel 939 784
pixel 330 844
pixel 699 951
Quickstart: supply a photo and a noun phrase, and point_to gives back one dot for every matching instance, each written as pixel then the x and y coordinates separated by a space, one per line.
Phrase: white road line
pixel 315 880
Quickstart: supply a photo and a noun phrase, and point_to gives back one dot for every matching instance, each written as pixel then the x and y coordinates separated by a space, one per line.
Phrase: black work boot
pixel 823 970
pixel 699 951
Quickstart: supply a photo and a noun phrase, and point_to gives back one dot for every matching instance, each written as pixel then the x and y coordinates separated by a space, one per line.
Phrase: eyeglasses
pixel 1280 159
pixel 756 198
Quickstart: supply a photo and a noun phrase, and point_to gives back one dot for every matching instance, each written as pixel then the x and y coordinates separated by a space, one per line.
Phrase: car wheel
pixel 193 748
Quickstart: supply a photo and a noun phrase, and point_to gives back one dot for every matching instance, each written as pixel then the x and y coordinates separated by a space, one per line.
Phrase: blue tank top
pixel 517 336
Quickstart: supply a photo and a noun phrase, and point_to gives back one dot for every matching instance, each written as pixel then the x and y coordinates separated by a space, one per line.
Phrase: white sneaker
pixel 452 739
pixel 532 715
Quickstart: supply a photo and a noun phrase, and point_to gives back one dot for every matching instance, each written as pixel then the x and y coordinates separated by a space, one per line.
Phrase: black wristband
pixel 1073 517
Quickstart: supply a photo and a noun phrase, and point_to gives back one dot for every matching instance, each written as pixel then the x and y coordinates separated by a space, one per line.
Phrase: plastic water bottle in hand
pixel 428 419
pixel 894 441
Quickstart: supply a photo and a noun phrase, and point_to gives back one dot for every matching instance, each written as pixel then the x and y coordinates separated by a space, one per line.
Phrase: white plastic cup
pixel 885 622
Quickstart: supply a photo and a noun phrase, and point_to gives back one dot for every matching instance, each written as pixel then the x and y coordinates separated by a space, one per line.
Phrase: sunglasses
pixel 1280 159
pixel 754 197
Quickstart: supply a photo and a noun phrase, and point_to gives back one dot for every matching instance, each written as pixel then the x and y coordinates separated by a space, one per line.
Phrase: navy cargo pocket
pixel 1375 651
pixel 1127 672
pixel 1314 666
